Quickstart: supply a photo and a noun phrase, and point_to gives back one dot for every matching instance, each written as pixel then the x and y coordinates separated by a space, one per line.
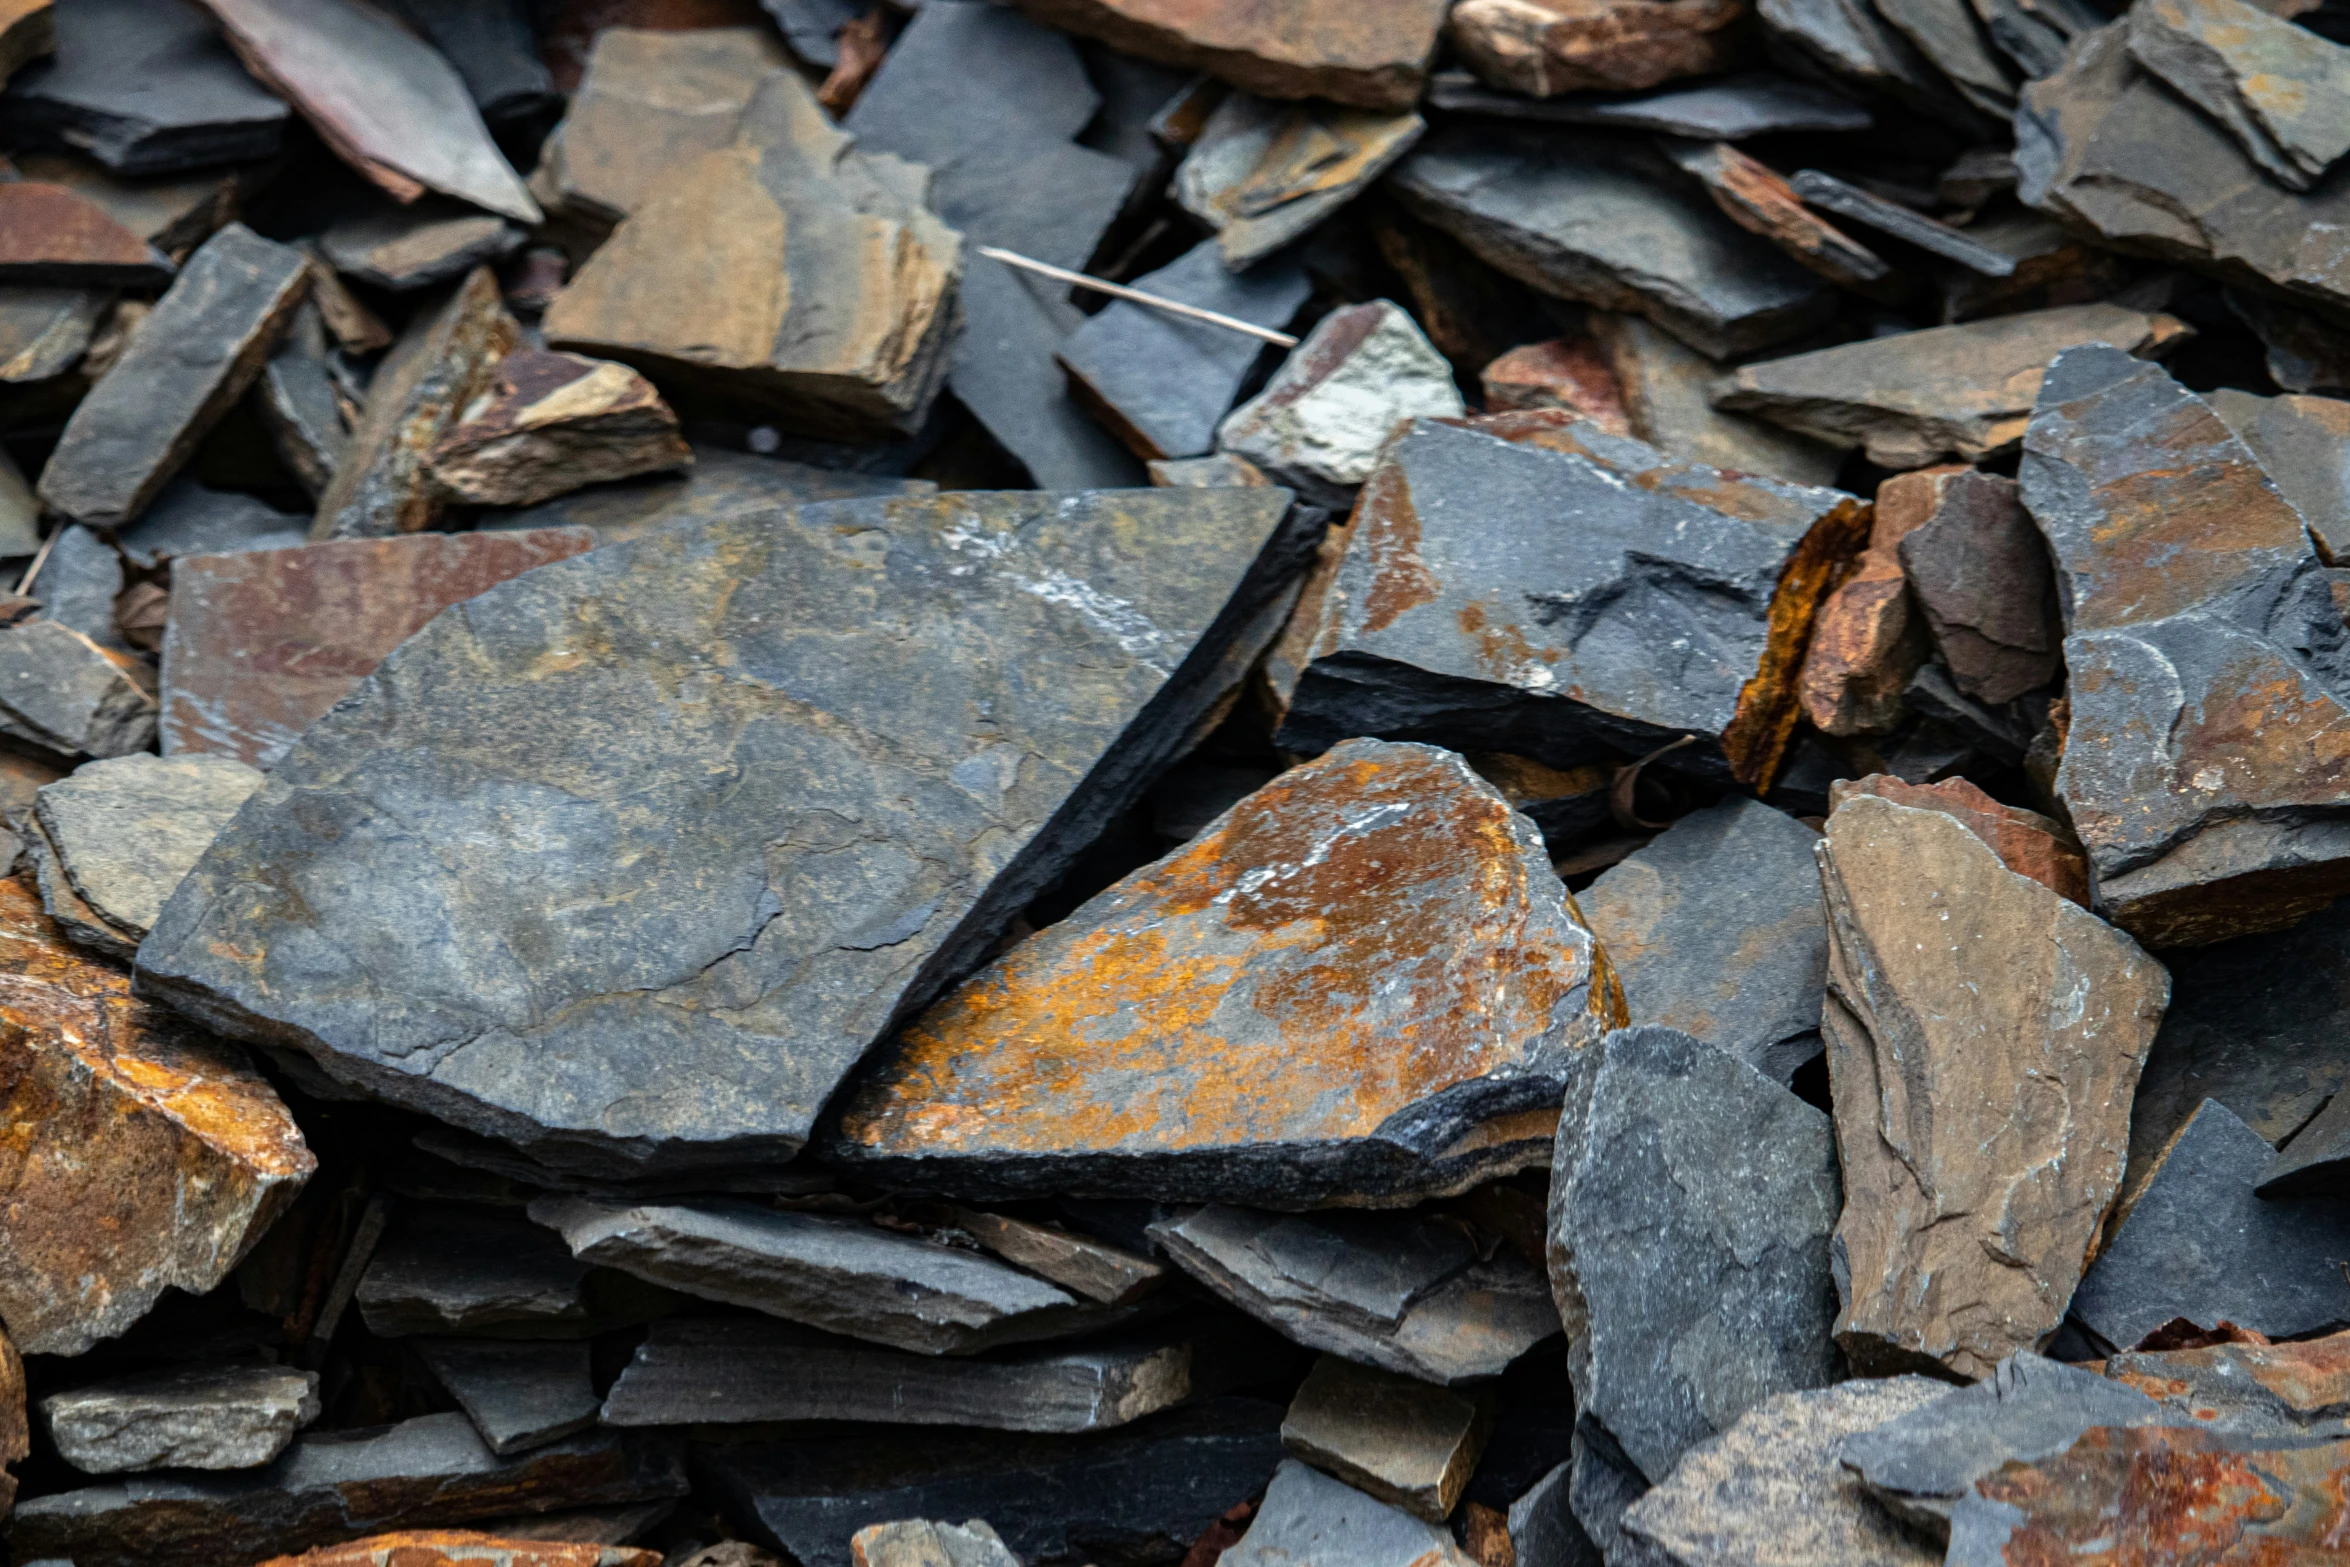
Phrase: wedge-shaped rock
pixel 1588 217
pixel 1538 635
pixel 1308 1519
pixel 385 100
pixel 2025 841
pixel 917 1542
pixel 1891 218
pixel 1962 391
pixel 1569 373
pixel 1868 642
pixel 64 694
pixel 446 1269
pixel 1984 1036
pixel 43 331
pixel 1952 38
pixel 2303 444
pixel 1759 200
pixel 1851 43
pixel 1397 1291
pixel 1375 57
pixel 1081 1264
pixel 145 87
pixel 2318 1158
pixel 145 1156
pixel 1321 423
pixel 207 339
pixel 337 1486
pixel 2203 646
pixel 1263 173
pixel 1394 1438
pixel 720 483
pixel 1691 1203
pixel 848 337
pixel 518 1396
pixel 551 423
pixel 112 841
pixel 188 519
pixel 1182 1034
pixel 2281 91
pixel 1546 47
pixel 404 248
pixel 1979 571
pixel 301 406
pixel 898 827
pixel 2289 1388
pixel 195 1417
pixel 49 234
pixel 79 583
pixel 1668 390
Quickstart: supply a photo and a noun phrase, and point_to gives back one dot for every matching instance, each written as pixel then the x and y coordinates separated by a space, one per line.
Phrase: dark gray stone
pixel 2035 33
pixel 794 884
pixel 2294 1389
pixel 1602 1485
pixel 812 27
pixel 518 1396
pixel 402 248
pixel 2303 444
pixel 720 483
pixel 2199 1244
pixel 2306 352
pixel 144 86
pixel 493 46
pixel 1308 1519
pixel 78 584
pixel 2317 1159
pixel 479 1272
pixel 1949 35
pixel 1831 194
pixel 1728 108
pixel 188 519
pixel 301 406
pixel 43 331
pixel 1978 569
pixel 1850 42
pixel 1263 173
pixel 1543 1530
pixel 64 694
pixel 2281 91
pixel 1996 732
pixel 189 1417
pixel 1587 217
pixel 113 840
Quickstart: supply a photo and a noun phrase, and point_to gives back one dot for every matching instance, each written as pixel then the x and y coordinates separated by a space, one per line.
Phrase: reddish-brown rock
pixel 53 236
pixel 1752 195
pixel 2284 1385
pixel 551 423
pixel 464 1548
pixel 1544 47
pixel 2026 842
pixel 261 643
pixel 1569 373
pixel 16 1439
pixel 1868 640
pixel 1371 56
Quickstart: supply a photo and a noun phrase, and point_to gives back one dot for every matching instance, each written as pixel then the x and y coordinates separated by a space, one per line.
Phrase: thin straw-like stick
pixel 1121 291
pixel 24 584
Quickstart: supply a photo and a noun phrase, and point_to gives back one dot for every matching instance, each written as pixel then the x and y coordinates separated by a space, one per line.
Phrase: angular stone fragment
pixel 444 360
pixel 1321 423
pixel 1263 174
pixel 145 87
pixel 1372 57
pixel 720 483
pixel 206 341
pixel 1244 990
pixel 1947 1087
pixel 1585 217
pixel 2280 90
pixel 20 512
pixel 508 1547
pixel 2318 1158
pixel 1216 471
pixel 123 831
pixel 1962 391
pixel 2198 1243
pixel 1867 643
pixel 1952 38
pixel 385 100
pixel 1831 194
pixel 43 331
pixel 917 1542
pixel 966 792
pixel 195 1417
pixel 551 423
pixel 1078 1263
pixel 2303 445
pixel 1539 637
pixel 495 49
pixel 1752 195
pixel 2052 267
pixel 66 695
pixel 264 641
pixel 2026 842
pixel 444 1269
pixel 2284 1388
pixel 337 1486
pixel 518 1396
pixel 50 235
pixel 403 248
pixel 1308 1519
pixel 1850 42
pixel 1980 572
pixel 1398 1440
pixel 1668 391
pixel 1568 373
pixel 1728 108
pixel 1546 47
pixel 188 519
pixel 1402 1293
pixel 79 583
pixel 301 405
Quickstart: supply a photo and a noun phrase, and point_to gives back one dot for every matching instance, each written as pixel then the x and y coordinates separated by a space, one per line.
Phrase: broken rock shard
pixel 1374 57
pixel 551 423
pixel 1546 47
pixel 713 1010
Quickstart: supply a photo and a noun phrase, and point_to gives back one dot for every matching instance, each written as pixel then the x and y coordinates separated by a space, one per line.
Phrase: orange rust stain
pixel 1770 702
pixel 2167 538
pixel 465 1548
pixel 1503 647
pixel 1389 527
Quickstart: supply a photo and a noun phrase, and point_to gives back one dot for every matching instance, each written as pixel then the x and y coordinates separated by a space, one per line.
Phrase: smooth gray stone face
pixel 1602 1485
pixel 493 46
pixel 518 1396
pixel 737 795
pixel 2200 1244
pixel 195 1417
pixel 403 248
pixel 78 584
pixel 145 87
pixel 1727 108
pixel 125 830
pixel 446 1269
pixel 60 692
pixel 1543 1530
pixel 188 519
pixel 1310 1520
pixel 1692 1202
pixel 1831 194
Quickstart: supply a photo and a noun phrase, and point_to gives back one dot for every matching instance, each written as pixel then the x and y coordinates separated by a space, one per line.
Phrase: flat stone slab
pixel 1396 1439
pixel 917 1542
pixel 1308 1519
pixel 719 482
pixel 1372 57
pixel 2286 1388
pixel 404 248
pixel 710 1013
pixel 185 518
pixel 1726 108
pixel 2303 445
pixel 1078 1263
pixel 1264 174
pixel 1668 389
pixel 518 1396
pixel 145 87
pixel 1321 423
pixel 1183 1034
pixel 1979 572
pixel 194 1417
pixel 552 423
pixel 52 235
pixel 66 696
pixel 444 1269
pixel 125 830
pixel 512 1542
pixel 2280 90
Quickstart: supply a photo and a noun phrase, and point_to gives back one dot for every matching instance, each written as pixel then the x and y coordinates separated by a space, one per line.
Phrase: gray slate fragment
pixel 1948 34
pixel 518 1396
pixel 20 510
pixel 300 405
pixel 1849 41
pixel 1320 424
pixel 483 1273
pixel 403 248
pixel 78 584
pixel 2198 1243
pixel 2035 33
pixel 720 483
pixel 126 829
pixel 1831 194
pixel 43 331
pixel 1602 1485
pixel 145 87
pixel 1919 1464
pixel 2281 91
pixel 1979 570
pixel 1265 173
pixel 190 360
pixel 2317 1159
pixel 2303 444
pixel 1726 108
pixel 62 692
pixel 1668 390
pixel 1543 1529
pixel 494 47
pixel 190 1417
pixel 188 519
pixel 1308 1519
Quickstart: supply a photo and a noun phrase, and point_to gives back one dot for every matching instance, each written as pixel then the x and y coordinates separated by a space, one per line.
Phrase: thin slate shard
pixel 711 1012
pixel 1263 174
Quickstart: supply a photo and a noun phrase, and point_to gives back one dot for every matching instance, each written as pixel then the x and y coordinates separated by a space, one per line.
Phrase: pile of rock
pixel 1523 782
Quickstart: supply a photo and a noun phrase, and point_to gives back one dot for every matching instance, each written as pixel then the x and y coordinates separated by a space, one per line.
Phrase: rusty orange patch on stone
pixel 1389 526
pixel 1770 701
pixel 465 1548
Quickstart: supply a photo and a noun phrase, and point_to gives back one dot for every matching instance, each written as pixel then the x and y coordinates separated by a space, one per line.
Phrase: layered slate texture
pixel 2205 765
pixel 1364 980
pixel 1527 584
pixel 628 860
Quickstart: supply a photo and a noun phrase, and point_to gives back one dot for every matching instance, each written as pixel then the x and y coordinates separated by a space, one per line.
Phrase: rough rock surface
pixel 2288 1388
pixel 2281 91
pixel 1939 1088
pixel 1320 424
pixel 1308 1519
pixel 43 331
pixel 1375 57
pixel 452 1270
pixel 518 1396
pixel 1979 571
pixel 1755 197
pixel 145 87
pixel 2303 444
pixel 403 248
pixel 1179 1035
pixel 300 404
pixel 1668 389
pixel 917 1542
pixel 2026 842
pixel 720 482
pixel 122 832
pixel 1723 108
pixel 1546 47
pixel 2318 1158
pixel 1263 174
pixel 469 1548
pixel 1867 642
pixel 1089 1267
pixel 551 423
pixel 52 235
pixel 196 1417
pixel 1567 373
pixel 16 1441
pixel 1393 1438
pixel 65 695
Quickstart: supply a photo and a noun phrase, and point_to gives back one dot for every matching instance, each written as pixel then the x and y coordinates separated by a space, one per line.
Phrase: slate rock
pixel 20 512
pixel 67 696
pixel 1769 1492
pixel 1753 195
pixel 1867 642
pixel 1244 990
pixel 495 49
pixel 1602 1485
pixel 1583 216
pixel 1308 1519
pixel 1162 384
pixel 1668 390
pixel 1690 1210
pixel 1542 1527
pixel 2198 1243
pixel 2026 842
pixel 2052 266
pixel 2306 353
pixel 443 361
pixel 1850 43
pixel 2279 89
pixel 1946 1087
pixel 79 583
pixel 145 87
pixel 518 1396
pixel 1567 373
pixel 43 331
pixel 917 1542
pixel 1397 1440
pixel 444 1269
pixel 2286 1388
pixel 191 1417
pixel 1396 1291
pixel 1964 391
pixel 125 830
pixel 1546 47
pixel 1321 422
pixel 1921 1463
pixel 953 843
pixel 1538 638
pixel 264 641
pixel 51 235
pixel 1952 38
pixel 207 339
pixel 1723 108
pixel 1263 174
pixel 2034 34
pixel 551 423
pixel 1980 574
pixel 1144 1492
pixel 1078 1263
pixel 301 405
pixel 403 248
pixel 1216 471
pixel 337 1486
pixel 1830 194
pixel 1373 57
pixel 720 483
pixel 2317 1159
pixel 2303 445
pixel 382 98
pixel 148 1155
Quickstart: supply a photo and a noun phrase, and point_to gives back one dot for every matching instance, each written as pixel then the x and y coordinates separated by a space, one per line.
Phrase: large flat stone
pixel 710 1013
pixel 2286 1388
pixel 1375 57
pixel 1308 1519
pixel 2281 91
pixel 55 236
pixel 193 1417
pixel 1264 174
pixel 122 832
pixel 145 87
pixel 1262 1016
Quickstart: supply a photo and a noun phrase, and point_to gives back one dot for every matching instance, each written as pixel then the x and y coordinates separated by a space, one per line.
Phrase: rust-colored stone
pixel 136 1154
pixel 464 1548
pixel 2305 1384
pixel 261 643
pixel 1569 373
pixel 551 423
pixel 1868 639
pixel 1371 56
pixel 1753 195
pixel 864 43
pixel 1545 47
pixel 1364 983
pixel 53 236
pixel 16 1438
pixel 2026 842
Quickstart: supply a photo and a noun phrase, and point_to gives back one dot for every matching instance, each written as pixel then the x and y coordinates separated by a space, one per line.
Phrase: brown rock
pixel 1406 1442
pixel 2244 1378
pixel 432 241
pixel 358 329
pixel 1668 389
pixel 1472 313
pixel 44 331
pixel 464 1548
pixel 1984 1037
pixel 263 642
pixel 442 363
pixel 551 423
pixel 1547 47
pixel 16 1440
pixel 28 30
pixel 173 212
pixel 1754 196
pixel 1565 372
pixel 1979 571
pixel 1868 641
pixel 1370 56
pixel 1262 174
pixel 2026 842
pixel 50 235
pixel 1094 1269
pixel 145 1155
